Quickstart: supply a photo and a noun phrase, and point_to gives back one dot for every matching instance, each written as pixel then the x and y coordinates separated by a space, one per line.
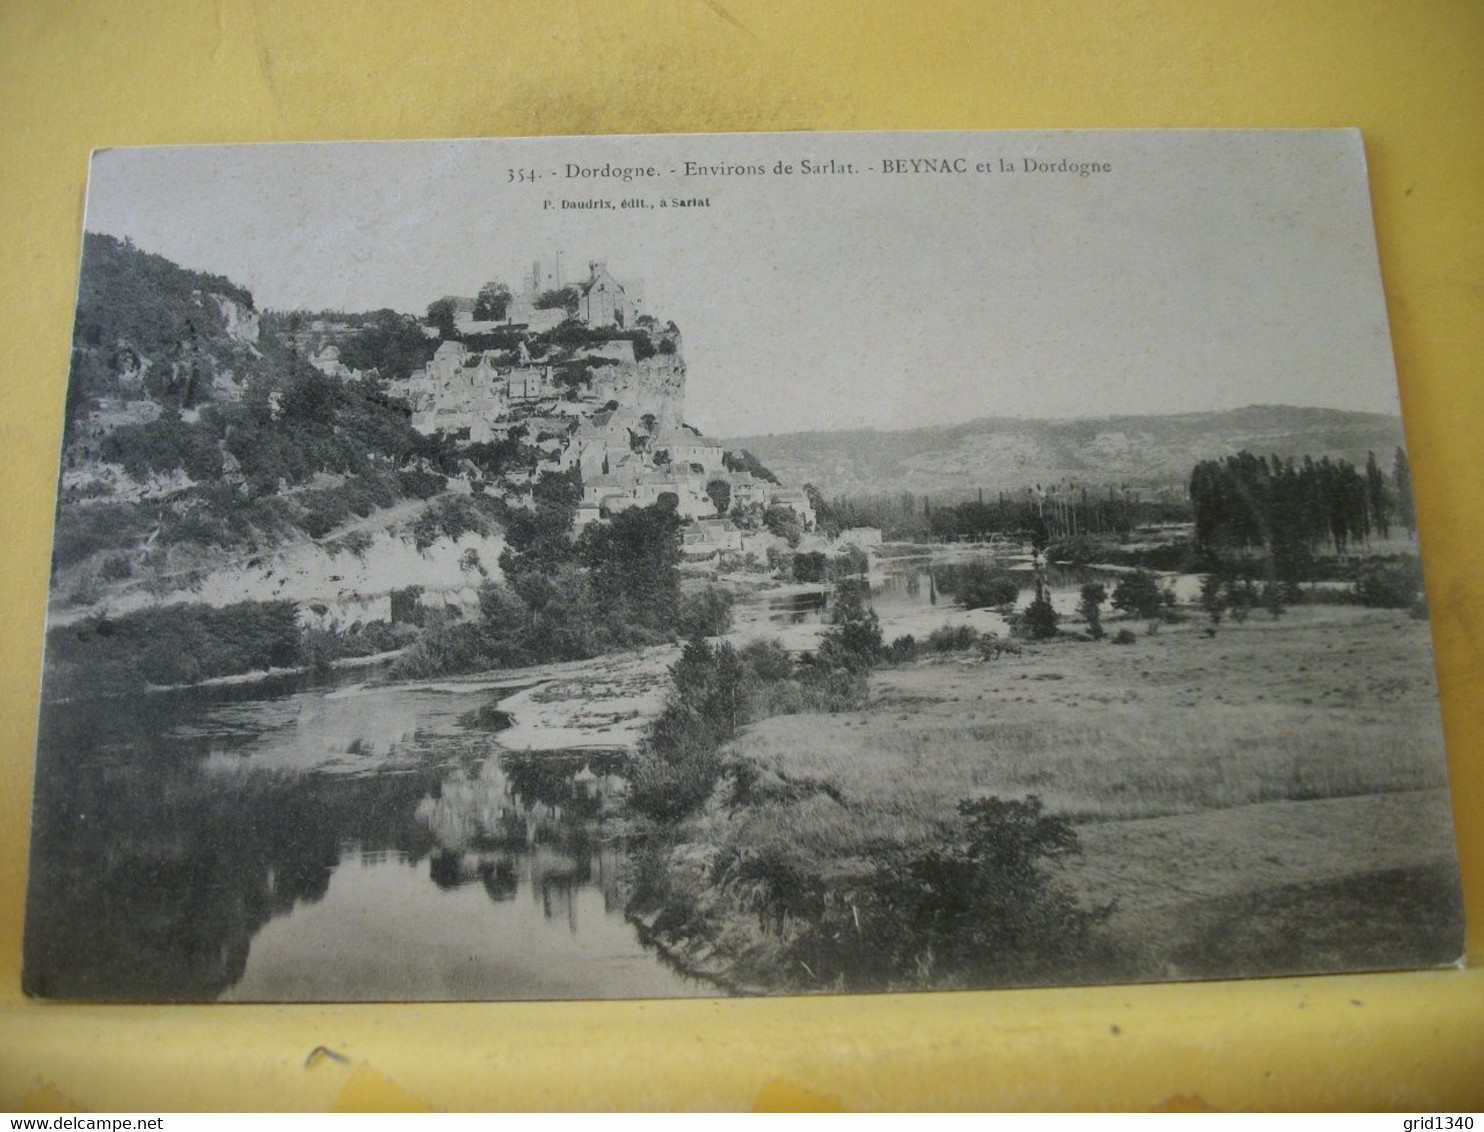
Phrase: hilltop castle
pixel 593 384
pixel 548 298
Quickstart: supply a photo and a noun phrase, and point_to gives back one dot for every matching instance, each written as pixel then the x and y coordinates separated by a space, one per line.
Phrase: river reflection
pixel 346 844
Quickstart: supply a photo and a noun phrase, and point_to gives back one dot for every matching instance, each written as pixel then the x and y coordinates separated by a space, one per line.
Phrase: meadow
pixel 1270 798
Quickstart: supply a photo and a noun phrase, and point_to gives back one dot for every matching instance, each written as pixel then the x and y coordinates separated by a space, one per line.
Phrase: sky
pixel 1202 270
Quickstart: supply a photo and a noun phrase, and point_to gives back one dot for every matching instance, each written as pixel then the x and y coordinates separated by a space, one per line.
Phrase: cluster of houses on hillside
pixel 623 465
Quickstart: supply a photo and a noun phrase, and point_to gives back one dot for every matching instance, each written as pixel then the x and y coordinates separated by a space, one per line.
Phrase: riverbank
pixel 1312 733
pixel 606 703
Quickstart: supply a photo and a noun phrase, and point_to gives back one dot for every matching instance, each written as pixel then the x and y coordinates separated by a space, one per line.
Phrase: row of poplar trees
pixel 1292 508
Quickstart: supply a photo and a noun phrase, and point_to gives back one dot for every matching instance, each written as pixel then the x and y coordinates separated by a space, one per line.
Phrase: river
pixel 341 843
pixel 915 595
pixel 362 841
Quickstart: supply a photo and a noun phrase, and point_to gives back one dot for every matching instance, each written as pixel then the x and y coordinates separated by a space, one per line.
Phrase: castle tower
pixel 545 275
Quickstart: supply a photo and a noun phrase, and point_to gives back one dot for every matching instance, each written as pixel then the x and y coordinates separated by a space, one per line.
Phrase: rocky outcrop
pixel 655 386
pixel 241 323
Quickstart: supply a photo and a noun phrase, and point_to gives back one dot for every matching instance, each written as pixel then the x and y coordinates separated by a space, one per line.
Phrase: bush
pixel 850 562
pixel 717 690
pixel 991 647
pixel 1040 620
pixel 415 483
pixel 953 638
pixel 181 644
pixel 1125 637
pixel 1138 595
pixel 1395 584
pixel 355 543
pixel 707 613
pixel 444 647
pixel 666 790
pixel 978 585
pixel 1241 598
pixel 164 446
pixel 1093 595
pixel 1274 596
pixel 317 524
pixel 450 518
pixel 985 908
pixel 830 689
pixel 984 588
pixel 83 531
pixel 784 522
pixel 766 660
pixel 810 566
pixel 902 650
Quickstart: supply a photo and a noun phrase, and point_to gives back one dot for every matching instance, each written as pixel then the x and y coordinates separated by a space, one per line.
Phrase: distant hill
pixel 1001 453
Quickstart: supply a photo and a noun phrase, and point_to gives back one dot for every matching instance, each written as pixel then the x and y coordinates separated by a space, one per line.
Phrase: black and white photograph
pixel 695 566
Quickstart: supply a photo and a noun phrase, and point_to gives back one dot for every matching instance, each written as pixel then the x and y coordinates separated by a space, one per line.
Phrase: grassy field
pixel 1270 799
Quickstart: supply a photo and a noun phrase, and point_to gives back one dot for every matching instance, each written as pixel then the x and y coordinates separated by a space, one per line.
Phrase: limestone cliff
pixel 654 387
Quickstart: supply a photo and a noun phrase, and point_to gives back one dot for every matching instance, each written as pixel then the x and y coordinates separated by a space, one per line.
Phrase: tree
pixel 1272 598
pixel 741 460
pixel 706 613
pixel 981 586
pixel 810 567
pixel 720 492
pixel 1401 478
pixel 784 522
pixel 1241 596
pixel 441 315
pixel 634 563
pixel 1376 492
pixel 1040 618
pixel 851 560
pixel 537 541
pixel 987 906
pixel 1093 594
pixel 492 302
pixel 853 640
pixel 1039 534
pixel 749 517
pixel 391 344
pixel 565 298
pixel 563 618
pixel 1213 599
pixel 1288 510
pixel 560 489
pixel 826 520
pixel 1138 595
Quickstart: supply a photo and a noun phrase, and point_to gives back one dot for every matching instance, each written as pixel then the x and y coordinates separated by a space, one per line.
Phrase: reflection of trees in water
pixel 449 869
pixel 536 814
pixel 150 879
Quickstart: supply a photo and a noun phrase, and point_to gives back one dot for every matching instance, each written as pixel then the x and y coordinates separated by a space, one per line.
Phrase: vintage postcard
pixel 757 564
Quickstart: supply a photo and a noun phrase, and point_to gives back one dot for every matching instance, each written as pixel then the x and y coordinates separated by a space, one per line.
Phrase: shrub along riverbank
pixel 191 643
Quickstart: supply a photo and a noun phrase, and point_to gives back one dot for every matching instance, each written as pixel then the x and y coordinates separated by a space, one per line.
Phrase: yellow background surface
pixel 74 75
